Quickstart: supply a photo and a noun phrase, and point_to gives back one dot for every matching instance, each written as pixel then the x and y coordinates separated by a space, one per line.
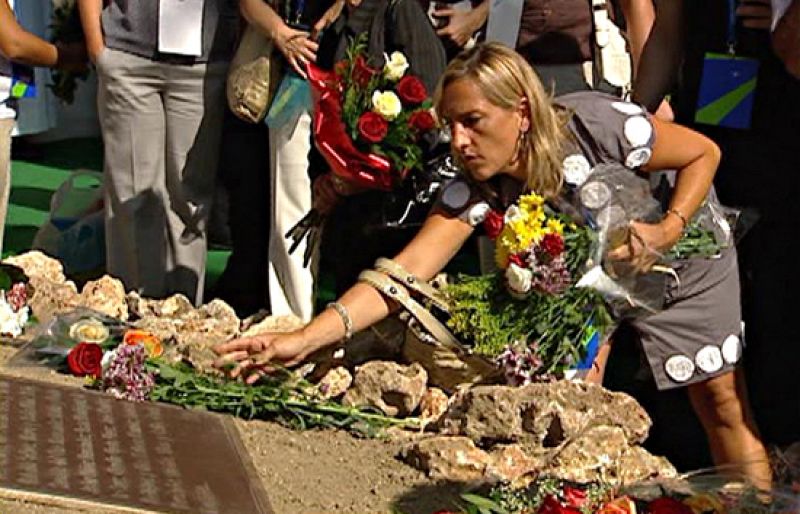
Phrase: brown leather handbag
pixel 428 341
pixel 254 75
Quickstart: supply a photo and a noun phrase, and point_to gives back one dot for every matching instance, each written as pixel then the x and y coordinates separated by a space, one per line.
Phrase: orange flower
pixel 623 505
pixel 151 343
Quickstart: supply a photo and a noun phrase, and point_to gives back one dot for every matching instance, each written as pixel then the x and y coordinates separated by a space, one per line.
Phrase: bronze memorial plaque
pixel 69 442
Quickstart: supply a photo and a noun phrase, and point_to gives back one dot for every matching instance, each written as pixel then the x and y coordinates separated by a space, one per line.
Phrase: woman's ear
pixel 524 111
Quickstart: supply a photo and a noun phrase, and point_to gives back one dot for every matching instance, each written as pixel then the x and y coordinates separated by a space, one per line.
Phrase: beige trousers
pixel 6 126
pixel 161 126
pixel 291 285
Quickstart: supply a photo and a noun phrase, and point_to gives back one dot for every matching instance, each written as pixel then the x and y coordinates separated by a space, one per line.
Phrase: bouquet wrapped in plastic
pixel 556 296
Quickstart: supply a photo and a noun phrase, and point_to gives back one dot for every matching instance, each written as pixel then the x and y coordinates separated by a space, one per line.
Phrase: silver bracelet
pixel 341 310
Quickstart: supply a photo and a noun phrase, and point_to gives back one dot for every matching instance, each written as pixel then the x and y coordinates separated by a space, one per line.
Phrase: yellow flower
pixel 396 66
pixel 555 226
pixel 501 256
pixel 387 104
pixel 531 202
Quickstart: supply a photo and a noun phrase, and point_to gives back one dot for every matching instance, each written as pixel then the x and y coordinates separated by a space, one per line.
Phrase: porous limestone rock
pixel 36 264
pixel 571 406
pixel 175 306
pixel 637 464
pixel 106 295
pixel 485 414
pixel 393 388
pixel 448 458
pixel 511 463
pixel 286 323
pixel 458 459
pixel 334 383
pixel 432 405
pixel 51 298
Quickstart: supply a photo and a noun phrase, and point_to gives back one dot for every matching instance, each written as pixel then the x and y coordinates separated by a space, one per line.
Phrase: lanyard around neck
pixel 731 39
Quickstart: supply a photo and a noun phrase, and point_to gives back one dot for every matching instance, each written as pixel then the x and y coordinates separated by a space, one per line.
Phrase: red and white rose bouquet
pixel 368 123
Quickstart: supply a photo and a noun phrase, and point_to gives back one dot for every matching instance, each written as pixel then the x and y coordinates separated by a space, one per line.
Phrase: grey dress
pixel 698 333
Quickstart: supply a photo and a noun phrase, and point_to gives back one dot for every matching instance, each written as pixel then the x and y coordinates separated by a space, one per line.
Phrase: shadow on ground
pixel 430 498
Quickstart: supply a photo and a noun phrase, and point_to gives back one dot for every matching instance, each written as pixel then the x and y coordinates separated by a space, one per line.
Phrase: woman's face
pixel 484 136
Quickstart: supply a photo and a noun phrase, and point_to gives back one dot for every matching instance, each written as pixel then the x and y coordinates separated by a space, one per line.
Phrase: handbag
pixel 254 75
pixel 428 341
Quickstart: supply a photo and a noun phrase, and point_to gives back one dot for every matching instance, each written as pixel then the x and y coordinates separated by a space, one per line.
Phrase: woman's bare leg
pixel 722 406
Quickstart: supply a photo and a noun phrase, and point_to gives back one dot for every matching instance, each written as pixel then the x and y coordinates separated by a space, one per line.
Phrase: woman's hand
pixel 647 243
pixel 327 19
pixel 255 356
pixel 461 25
pixel 297 47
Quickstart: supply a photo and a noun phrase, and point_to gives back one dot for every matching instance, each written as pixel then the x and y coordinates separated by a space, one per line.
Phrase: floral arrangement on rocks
pixel 685 496
pixel 14 310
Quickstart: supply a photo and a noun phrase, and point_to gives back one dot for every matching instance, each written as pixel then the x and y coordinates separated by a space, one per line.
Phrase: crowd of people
pixel 519 88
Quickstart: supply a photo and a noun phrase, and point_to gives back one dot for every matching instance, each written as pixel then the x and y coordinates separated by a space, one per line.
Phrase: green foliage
pixel 285 399
pixel 486 314
pixel 504 499
pixel 696 242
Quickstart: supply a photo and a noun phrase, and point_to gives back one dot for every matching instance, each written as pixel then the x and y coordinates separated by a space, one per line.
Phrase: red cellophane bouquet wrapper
pixel 367 125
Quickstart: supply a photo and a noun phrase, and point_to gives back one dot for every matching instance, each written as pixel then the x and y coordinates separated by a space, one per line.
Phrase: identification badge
pixel 23 84
pixel 292 99
pixel 180 27
pixel 727 91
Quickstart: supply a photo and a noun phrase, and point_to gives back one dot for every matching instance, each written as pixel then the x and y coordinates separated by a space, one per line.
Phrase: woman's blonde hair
pixel 505 79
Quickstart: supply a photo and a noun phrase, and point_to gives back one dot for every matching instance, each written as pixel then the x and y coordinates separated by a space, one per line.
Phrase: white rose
pixel 518 279
pixel 387 104
pixel 396 66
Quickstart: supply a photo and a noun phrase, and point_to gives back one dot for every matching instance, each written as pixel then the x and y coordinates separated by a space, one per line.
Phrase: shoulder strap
pixel 400 274
pixel 398 293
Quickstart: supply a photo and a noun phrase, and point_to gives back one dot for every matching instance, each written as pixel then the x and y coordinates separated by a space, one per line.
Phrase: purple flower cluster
pixel 125 376
pixel 519 364
pixel 17 296
pixel 550 274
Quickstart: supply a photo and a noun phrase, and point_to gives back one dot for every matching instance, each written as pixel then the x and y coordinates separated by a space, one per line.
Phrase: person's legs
pixel 724 411
pixel 6 126
pixel 194 105
pixel 131 114
pixel 291 284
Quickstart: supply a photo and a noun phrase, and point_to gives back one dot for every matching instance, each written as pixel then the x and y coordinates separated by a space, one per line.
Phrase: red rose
pixel 551 505
pixel 493 224
pixel 84 359
pixel 666 505
pixel 553 244
pixel 421 121
pixel 362 73
pixel 340 68
pixel 411 90
pixel 372 127
pixel 518 259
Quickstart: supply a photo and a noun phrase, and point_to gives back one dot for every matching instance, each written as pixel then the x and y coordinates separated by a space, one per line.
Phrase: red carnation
pixel 553 244
pixel 372 127
pixel 551 505
pixel 422 121
pixel 411 90
pixel 493 224
pixel 362 73
pixel 340 68
pixel 518 259
pixel 575 497
pixel 666 505
pixel 85 359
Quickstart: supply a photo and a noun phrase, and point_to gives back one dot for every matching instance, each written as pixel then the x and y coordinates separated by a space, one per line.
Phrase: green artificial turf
pixel 34 180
